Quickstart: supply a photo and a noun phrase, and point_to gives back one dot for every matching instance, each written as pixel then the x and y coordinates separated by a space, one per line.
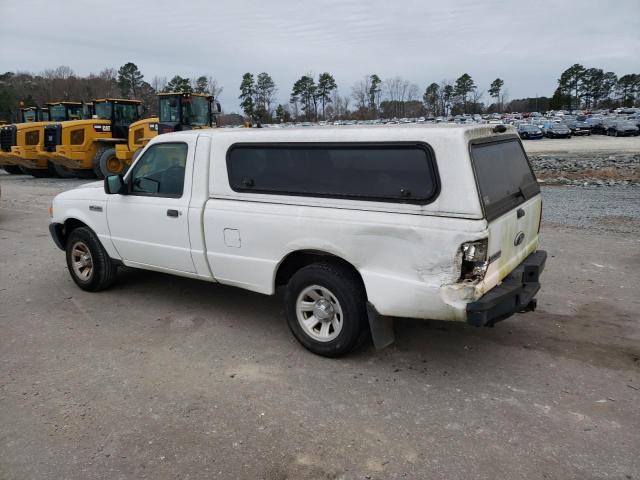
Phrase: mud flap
pixel 381 328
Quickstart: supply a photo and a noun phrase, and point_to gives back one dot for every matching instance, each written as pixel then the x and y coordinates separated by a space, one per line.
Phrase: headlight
pixel 474 260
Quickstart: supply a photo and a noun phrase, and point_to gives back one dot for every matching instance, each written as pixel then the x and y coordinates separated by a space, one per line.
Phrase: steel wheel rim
pixel 115 165
pixel 81 261
pixel 319 313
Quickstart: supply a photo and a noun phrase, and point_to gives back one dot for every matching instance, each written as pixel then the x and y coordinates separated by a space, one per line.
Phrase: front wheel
pixel 13 169
pixel 326 311
pixel 63 172
pixel 88 262
pixel 36 172
pixel 110 164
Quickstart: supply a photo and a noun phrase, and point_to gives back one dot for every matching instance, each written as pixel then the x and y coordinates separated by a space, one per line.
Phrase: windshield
pixel 103 110
pixel 125 114
pixel 57 113
pixel 75 112
pixel 29 115
pixel 169 109
pixel 504 176
pixel 196 112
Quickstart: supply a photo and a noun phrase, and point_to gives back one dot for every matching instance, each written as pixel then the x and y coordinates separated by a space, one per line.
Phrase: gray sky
pixel 526 43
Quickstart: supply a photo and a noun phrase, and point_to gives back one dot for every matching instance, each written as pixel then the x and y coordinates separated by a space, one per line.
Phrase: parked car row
pixel 580 125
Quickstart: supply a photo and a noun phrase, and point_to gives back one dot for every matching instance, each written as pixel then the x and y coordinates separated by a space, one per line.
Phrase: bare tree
pixel 360 93
pixel 214 87
pixel 159 83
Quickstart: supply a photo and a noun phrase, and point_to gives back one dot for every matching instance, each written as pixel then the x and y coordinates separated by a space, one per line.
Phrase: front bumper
pixel 515 294
pixel 57 234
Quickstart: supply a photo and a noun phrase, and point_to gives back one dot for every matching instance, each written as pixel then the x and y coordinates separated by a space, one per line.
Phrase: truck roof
pixel 356 132
pixel 117 100
pixel 64 102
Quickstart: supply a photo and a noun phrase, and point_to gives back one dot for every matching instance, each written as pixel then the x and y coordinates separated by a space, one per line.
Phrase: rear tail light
pixel 474 260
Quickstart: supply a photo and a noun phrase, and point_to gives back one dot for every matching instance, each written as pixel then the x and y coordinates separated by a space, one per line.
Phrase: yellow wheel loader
pixel 177 111
pixel 77 147
pixel 9 133
pixel 28 152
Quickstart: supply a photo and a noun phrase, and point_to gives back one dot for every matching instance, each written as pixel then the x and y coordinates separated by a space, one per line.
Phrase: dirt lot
pixel 592 143
pixel 163 377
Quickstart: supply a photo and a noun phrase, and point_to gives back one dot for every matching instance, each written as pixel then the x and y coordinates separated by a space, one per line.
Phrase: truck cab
pixel 177 111
pixel 78 146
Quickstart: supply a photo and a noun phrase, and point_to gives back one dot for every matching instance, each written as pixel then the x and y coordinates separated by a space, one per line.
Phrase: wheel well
pixel 70 225
pixel 301 258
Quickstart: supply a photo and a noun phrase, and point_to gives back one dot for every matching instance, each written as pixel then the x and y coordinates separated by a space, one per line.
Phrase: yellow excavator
pixel 28 152
pixel 76 147
pixel 9 133
pixel 177 111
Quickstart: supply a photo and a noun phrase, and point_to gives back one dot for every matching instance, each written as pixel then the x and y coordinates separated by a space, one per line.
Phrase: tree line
pixel 372 97
pixel 62 83
pixel 314 98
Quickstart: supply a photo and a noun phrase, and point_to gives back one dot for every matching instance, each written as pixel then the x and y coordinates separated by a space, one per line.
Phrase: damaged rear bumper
pixel 515 294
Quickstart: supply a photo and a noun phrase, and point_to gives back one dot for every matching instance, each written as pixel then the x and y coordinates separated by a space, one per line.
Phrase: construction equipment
pixel 76 147
pixel 28 152
pixel 177 111
pixel 9 133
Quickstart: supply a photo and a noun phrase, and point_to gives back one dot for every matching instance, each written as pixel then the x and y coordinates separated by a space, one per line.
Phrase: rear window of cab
pixel 393 172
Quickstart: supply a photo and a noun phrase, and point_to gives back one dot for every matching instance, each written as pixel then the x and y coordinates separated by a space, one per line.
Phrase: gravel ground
pixel 163 377
pixel 590 144
pixel 612 209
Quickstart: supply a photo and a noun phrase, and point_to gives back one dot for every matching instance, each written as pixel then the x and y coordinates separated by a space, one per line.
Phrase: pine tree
pixel 247 95
pixel 129 80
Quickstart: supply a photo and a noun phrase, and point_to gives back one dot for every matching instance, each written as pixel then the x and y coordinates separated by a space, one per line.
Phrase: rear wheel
pixel 13 169
pixel 63 172
pixel 326 311
pixel 88 262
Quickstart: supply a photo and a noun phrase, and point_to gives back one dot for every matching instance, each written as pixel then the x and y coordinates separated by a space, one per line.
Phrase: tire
pixel 36 172
pixel 88 262
pixel 96 161
pixel 109 164
pixel 63 172
pixel 335 292
pixel 13 169
pixel 51 168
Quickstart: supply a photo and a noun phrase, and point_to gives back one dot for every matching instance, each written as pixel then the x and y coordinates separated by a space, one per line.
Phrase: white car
pixel 357 225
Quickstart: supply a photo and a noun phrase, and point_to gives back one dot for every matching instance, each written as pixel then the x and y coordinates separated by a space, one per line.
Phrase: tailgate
pixel 512 203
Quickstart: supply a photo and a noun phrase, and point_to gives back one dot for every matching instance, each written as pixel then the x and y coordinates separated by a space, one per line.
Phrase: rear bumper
pixel 515 294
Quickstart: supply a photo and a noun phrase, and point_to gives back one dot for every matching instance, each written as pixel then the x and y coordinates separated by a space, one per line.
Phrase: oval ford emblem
pixel 519 239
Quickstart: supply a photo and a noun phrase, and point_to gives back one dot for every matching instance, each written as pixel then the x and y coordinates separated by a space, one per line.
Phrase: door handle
pixel 172 213
pixel 520 213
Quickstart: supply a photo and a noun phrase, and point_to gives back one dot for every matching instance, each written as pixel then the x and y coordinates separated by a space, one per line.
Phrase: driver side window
pixel 160 172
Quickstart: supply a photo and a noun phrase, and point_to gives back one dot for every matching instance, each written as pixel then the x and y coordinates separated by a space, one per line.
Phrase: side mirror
pixel 114 184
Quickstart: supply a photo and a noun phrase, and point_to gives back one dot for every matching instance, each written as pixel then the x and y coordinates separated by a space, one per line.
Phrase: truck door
pixel 149 225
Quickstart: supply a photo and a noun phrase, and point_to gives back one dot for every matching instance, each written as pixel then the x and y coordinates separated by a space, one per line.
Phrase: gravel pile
pixel 588 169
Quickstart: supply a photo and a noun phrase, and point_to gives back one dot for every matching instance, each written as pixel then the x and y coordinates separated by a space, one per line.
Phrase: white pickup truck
pixel 356 224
